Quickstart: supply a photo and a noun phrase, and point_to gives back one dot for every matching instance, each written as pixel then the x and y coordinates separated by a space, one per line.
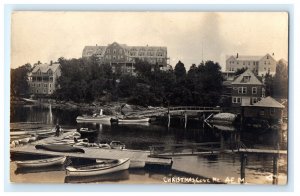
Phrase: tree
pixel 269 84
pixel 180 70
pixel 281 80
pixel 19 80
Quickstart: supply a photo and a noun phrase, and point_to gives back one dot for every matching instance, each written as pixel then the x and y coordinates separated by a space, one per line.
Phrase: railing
pixel 193 108
pixel 177 149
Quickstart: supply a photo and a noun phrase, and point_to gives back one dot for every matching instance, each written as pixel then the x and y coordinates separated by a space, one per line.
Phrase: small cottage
pixel 266 109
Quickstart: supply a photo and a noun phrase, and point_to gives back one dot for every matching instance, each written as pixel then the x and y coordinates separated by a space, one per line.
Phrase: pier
pixel 137 157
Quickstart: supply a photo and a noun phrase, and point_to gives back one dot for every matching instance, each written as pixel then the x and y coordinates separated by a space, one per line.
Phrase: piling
pixel 185 120
pixel 275 169
pixel 243 167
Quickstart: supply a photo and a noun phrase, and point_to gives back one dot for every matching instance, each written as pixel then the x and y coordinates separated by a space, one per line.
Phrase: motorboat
pixel 94 118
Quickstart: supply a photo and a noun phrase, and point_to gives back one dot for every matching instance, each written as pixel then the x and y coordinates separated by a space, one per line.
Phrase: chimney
pixel 51 62
pixel 237 55
pixel 273 54
pixel 96 45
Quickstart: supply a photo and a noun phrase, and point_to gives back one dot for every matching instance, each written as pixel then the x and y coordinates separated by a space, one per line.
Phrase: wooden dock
pixel 135 156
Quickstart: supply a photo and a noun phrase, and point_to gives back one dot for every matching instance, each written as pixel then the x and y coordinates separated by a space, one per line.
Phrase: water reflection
pixel 111 177
pixel 140 137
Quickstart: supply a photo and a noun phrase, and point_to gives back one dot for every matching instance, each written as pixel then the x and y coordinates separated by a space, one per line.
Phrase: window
pixel 262 112
pixel 272 111
pixel 236 100
pixel 233 99
pixel 108 51
pixel 254 90
pixel 114 51
pixel 254 100
pixel 39 85
pixel 45 85
pixel 246 79
pixel 242 90
pixel 44 91
pixel 50 85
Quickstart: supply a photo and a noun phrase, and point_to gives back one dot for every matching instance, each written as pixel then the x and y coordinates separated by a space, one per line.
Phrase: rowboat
pixel 59 148
pixel 42 162
pixel 104 167
pixel 111 177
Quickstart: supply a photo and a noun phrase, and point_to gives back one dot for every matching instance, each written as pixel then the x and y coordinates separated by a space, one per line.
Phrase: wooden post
pixel 275 169
pixel 185 120
pixel 243 167
pixel 169 120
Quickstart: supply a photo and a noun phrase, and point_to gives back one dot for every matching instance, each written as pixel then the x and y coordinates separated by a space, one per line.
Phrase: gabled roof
pixel 249 57
pixel 268 102
pixel 45 67
pixel 91 50
pixel 252 80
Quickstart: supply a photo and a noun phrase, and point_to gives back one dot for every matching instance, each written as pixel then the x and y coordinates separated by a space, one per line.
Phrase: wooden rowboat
pixel 104 167
pixel 42 162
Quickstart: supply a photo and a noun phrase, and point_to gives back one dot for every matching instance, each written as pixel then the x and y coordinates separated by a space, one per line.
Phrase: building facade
pixel 260 65
pixel 247 89
pixel 266 109
pixel 42 79
pixel 122 57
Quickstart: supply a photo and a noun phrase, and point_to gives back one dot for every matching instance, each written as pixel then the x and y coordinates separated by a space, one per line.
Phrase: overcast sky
pixel 47 36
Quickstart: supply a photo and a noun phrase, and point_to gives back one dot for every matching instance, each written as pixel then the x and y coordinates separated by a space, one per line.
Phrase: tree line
pixel 84 80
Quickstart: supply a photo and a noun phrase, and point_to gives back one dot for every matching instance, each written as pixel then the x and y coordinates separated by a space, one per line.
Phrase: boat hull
pixel 123 164
pixel 133 121
pixel 41 162
pixel 59 148
pixel 93 119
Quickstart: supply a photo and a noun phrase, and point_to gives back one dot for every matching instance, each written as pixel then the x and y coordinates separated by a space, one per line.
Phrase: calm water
pixel 223 166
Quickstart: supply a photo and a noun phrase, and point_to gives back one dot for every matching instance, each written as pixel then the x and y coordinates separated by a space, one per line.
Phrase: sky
pixel 189 36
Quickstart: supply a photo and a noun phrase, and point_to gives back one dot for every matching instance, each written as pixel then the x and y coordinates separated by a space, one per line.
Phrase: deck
pixel 136 156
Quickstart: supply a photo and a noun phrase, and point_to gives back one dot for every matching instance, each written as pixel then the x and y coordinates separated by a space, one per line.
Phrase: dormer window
pixel 246 79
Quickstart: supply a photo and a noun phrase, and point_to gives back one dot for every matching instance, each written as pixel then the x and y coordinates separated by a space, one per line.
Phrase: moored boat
pixel 104 167
pixel 94 118
pixel 84 132
pixel 59 148
pixel 117 145
pixel 131 120
pixel 42 162
pixel 223 118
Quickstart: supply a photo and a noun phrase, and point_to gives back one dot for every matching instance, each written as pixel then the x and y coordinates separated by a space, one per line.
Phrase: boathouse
pixel 267 109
